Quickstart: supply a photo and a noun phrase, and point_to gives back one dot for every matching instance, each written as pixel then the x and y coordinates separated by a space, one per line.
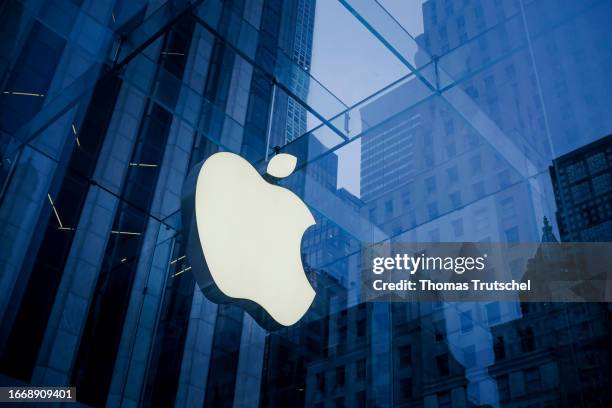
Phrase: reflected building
pixel 296 353
pixel 341 377
pixel 425 172
pixel 522 69
pixel 556 354
pixel 582 180
pixel 303 21
pixel 295 40
pixel 424 368
pixel 106 108
pixel 431 172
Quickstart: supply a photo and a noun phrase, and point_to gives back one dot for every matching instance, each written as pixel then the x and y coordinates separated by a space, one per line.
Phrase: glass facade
pixel 434 121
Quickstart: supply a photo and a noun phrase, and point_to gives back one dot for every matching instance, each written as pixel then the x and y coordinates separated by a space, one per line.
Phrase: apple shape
pixel 250 232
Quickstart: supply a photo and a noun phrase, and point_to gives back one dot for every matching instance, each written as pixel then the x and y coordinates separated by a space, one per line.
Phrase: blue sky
pixel 353 64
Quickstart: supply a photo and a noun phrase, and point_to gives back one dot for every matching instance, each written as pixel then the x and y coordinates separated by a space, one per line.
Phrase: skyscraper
pixel 302 55
pixel 106 108
pixel 583 192
pixel 475 171
pixel 556 353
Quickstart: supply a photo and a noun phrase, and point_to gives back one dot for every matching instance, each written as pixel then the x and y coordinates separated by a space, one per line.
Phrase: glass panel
pixel 431 122
pixel 347 58
pixel 570 52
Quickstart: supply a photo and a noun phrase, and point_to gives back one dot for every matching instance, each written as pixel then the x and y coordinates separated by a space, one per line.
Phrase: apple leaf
pixel 281 165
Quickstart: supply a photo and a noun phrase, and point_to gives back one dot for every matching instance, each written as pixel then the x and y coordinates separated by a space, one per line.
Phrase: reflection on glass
pixel 442 121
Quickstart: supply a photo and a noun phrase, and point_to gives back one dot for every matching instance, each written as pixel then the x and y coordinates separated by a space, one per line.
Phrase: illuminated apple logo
pixel 250 232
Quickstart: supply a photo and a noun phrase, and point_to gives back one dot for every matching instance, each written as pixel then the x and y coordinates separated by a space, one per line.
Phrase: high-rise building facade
pixel 470 163
pixel 106 108
pixel 302 55
pixel 556 354
pixel 583 192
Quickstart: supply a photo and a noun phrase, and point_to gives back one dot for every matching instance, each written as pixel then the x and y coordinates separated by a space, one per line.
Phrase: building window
pixel 472 91
pixel 597 162
pixel 405 356
pixel 361 327
pixel 461 23
pixel 321 382
pixel 411 219
pixel 406 388
pixel 469 356
pixel 430 185
pixel 429 159
pixel 532 380
pixel 602 184
pixel 340 376
pixel 453 174
pixel 581 192
pixel 455 199
pixel 508 209
pixel 467 324
pixel 406 198
pixel 482 220
pixel 442 365
pixel 342 334
pixel 389 207
pixel 432 209
pixel 512 235
pixel 457 226
pixel 576 171
pixel 448 8
pixel 499 348
pixel 503 387
pixel 479 189
pixel 527 340
pixel 504 179
pixel 439 331
pixel 493 313
pixel 360 399
pixel 372 214
pixel 451 150
pixel 444 400
pixel 360 369
pixel 476 164
pixel 525 308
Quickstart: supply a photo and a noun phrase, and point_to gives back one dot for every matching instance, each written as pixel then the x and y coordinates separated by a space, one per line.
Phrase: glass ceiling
pixel 423 122
pixel 382 71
